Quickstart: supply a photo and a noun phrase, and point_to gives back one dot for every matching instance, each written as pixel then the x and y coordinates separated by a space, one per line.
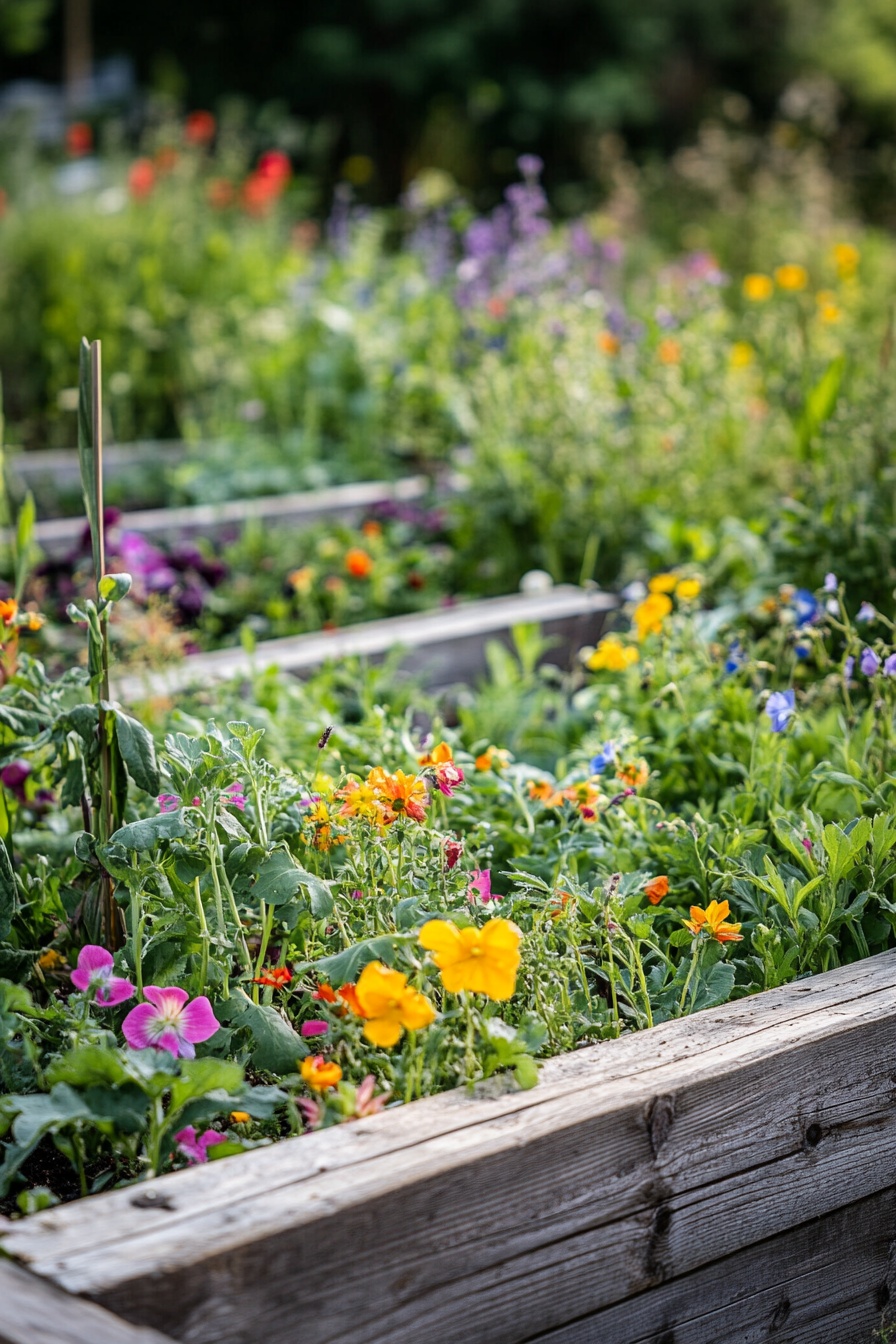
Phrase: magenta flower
pixel 195 1146
pixel 94 976
pixel 481 886
pixel 168 802
pixel 169 1022
pixel 448 777
pixel 232 796
pixel 315 1026
pixel 807 845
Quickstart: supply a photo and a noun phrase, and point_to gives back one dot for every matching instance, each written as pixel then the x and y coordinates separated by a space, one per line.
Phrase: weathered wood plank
pixel 541 1208
pixel 58 536
pixel 33 1311
pixel 445 646
pixel 825 1282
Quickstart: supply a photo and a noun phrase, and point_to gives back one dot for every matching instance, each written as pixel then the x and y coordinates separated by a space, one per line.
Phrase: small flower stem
pixel 469 1054
pixel 204 934
pixel 137 937
pixel 267 924
pixel 695 960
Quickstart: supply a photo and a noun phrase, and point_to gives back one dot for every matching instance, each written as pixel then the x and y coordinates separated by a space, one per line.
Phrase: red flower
pixel 278 977
pixel 274 166
pixel 141 178
pixel 78 139
pixel 259 194
pixel 199 128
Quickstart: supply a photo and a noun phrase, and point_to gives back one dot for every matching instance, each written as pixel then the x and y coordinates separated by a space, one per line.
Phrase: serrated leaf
pixel 138 751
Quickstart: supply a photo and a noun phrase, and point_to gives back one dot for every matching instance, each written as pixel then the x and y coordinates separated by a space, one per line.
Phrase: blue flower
pixel 802 651
pixel 830 583
pixel 869 662
pixel 806 608
pixel 890 666
pixel 606 756
pixel 866 613
pixel 736 657
pixel 780 707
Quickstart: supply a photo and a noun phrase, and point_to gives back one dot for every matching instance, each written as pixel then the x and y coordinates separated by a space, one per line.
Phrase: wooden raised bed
pixel 443 646
pixel 723 1179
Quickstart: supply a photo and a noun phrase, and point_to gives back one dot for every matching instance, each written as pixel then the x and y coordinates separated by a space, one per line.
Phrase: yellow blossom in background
pixel 607 343
pixel 240 1117
pixel 662 583
pixel 611 655
pixel 792 276
pixel 650 614
pixel 846 259
pixel 545 792
pixel 301 580
pixel 758 288
pixel 828 307
pixel 669 351
pixel 493 758
pixel 688 589
pixel 320 1073
pixel 388 1006
pixel 741 355
pixel 51 960
pixel 483 961
pixel 634 774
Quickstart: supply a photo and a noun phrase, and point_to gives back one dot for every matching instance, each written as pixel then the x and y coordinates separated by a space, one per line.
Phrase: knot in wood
pixel 660 1117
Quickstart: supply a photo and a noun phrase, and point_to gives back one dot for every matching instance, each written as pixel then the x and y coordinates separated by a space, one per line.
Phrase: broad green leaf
pixel 820 403
pixel 138 752
pixel 201 1076
pixel 345 966
pixel 279 879
pixel 277 1045
pixel 89 1066
pixel 147 833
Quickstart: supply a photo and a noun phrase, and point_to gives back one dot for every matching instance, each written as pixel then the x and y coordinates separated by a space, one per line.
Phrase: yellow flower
pixel 483 961
pixel 51 960
pixel 829 312
pixel 493 758
pixel 650 614
pixel 320 1073
pixel 688 589
pixel 240 1117
pixel 662 583
pixel 741 355
pixel 301 580
pixel 758 288
pixel 792 276
pixel 712 920
pixel 846 259
pixel 360 800
pixel 388 1006
pixel 439 755
pixel 611 655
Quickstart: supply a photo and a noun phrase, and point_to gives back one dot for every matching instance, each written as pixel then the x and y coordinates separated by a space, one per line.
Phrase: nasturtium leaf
pixel 201 1076
pixel 277 1045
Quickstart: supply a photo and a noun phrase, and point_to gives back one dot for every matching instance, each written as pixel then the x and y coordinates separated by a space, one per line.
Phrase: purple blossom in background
pixel 890 666
pixel 170 1020
pixel 780 707
pixel 830 583
pixel 195 1146
pixel 13 778
pixel 866 613
pixel 94 976
pixel 869 662
pixel 849 667
pixel 530 166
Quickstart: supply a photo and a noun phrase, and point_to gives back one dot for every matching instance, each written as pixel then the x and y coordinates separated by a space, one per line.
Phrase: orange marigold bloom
pixel 8 610
pixel 650 614
pixel 656 889
pixel 712 921
pixel 634 774
pixel 372 529
pixel 320 1073
pixel 278 977
pixel 240 1117
pixel 358 563
pixel 400 794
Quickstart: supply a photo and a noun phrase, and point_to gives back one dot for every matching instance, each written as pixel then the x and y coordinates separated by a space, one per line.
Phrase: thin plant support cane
pixel 121 743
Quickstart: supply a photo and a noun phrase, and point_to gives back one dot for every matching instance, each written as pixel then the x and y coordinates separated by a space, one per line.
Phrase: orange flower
pixel 493 759
pixel 560 900
pixel 634 774
pixel 320 819
pixel 545 792
pixel 438 756
pixel 650 614
pixel 8 610
pixel 141 178
pixel 278 977
pixel 372 529
pixel 199 128
pixel 348 995
pixel 358 563
pixel 301 580
pixel 399 794
pixel 78 139
pixel 389 1006
pixel 607 343
pixel 51 960
pixel 361 800
pixel 320 1073
pixel 669 351
pixel 240 1117
pixel 34 621
pixel 712 921
pixel 587 798
pixel 656 889
pixel 325 994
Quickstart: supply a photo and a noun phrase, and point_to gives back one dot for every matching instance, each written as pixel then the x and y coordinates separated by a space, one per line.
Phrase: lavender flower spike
pixel 780 707
pixel 94 976
pixel 168 1021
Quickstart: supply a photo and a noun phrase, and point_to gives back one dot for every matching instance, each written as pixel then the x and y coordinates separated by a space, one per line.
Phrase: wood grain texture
pixel 444 646
pixel 632 1164
pixel 33 1311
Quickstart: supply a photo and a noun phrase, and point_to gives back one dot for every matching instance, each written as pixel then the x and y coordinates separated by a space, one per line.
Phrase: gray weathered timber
pixel 444 646
pixel 498 1218
pixel 822 1283
pixel 33 1311
pixel 58 537
pixel 59 468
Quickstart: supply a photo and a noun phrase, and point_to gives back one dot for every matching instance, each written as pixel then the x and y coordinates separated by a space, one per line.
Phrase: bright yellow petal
pixel 382 1031
pixel 501 933
pixel 416 1010
pixel 441 937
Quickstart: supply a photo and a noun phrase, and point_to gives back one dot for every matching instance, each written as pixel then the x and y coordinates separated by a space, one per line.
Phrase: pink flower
pixel 357 894
pixel 233 796
pixel 365 1102
pixel 453 851
pixel 168 802
pixel 94 975
pixel 168 1022
pixel 481 885
pixel 448 777
pixel 807 845
pixel 195 1146
pixel 315 1026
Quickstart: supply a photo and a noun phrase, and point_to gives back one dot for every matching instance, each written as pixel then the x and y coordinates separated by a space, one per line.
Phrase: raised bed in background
pixel 443 647
pixel 729 1177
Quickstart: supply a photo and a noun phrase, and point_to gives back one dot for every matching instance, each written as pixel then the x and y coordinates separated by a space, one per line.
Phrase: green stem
pixel 204 935
pixel 137 937
pixel 469 1052
pixel 696 952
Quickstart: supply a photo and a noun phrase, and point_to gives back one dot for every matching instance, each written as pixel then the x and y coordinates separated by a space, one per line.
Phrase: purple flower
pixel 890 666
pixel 169 1022
pixel 779 707
pixel 315 1026
pixel 849 667
pixel 830 583
pixel 195 1146
pixel 357 894
pixel 13 777
pixel 530 165
pixel 168 802
pixel 481 886
pixel 866 613
pixel 94 976
pixel 606 756
pixel 869 662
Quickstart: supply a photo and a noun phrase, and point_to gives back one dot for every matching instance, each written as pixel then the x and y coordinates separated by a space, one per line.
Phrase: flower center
pixel 475 951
